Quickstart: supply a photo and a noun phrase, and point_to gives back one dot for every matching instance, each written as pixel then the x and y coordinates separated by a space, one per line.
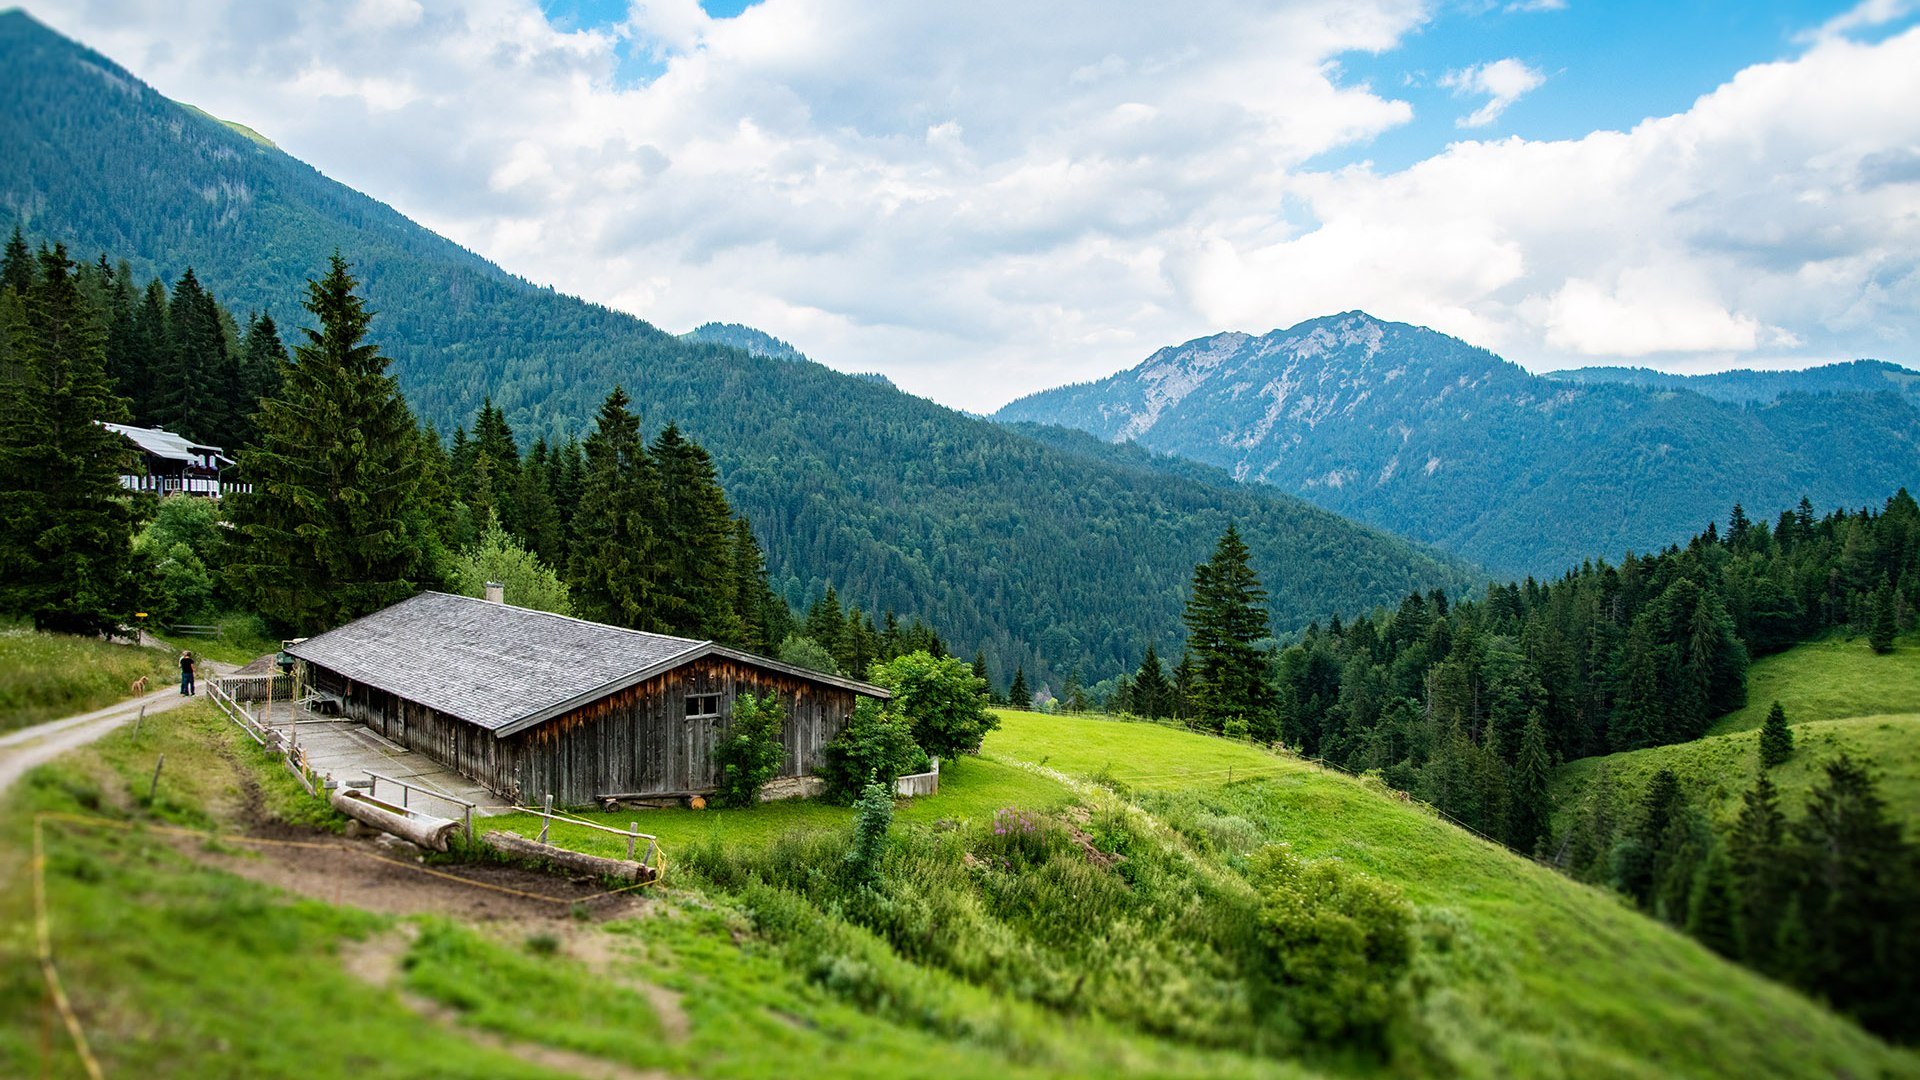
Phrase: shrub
pixel 876 747
pixel 1776 738
pixel 751 752
pixel 1339 947
pixel 941 699
pixel 872 817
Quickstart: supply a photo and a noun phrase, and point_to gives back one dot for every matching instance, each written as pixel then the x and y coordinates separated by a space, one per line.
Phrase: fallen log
pixel 509 843
pixel 423 829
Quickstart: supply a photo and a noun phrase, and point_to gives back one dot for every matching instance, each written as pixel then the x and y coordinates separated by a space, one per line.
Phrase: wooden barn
pixel 531 704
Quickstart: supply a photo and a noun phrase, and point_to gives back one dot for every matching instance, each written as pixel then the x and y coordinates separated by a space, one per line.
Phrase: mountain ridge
pixel 1044 558
pixel 1434 438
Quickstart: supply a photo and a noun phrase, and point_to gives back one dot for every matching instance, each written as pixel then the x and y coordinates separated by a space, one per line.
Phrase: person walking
pixel 186 674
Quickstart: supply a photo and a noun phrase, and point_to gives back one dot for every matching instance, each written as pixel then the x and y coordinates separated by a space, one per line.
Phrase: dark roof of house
pixel 506 668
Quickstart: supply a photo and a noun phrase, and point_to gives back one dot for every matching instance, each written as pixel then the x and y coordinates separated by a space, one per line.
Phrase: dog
pixel 139 685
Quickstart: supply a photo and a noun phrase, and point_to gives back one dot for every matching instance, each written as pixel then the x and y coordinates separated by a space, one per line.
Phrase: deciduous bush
pixel 876 747
pixel 1339 947
pixel 872 817
pixel 941 699
pixel 750 753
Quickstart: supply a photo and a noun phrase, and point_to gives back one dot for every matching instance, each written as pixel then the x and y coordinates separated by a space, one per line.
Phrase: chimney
pixel 496 593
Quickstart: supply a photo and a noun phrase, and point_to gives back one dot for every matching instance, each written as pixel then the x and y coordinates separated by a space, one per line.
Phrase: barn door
pixel 702 717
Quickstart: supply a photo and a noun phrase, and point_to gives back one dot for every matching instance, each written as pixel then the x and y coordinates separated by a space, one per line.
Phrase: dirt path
pixel 24 749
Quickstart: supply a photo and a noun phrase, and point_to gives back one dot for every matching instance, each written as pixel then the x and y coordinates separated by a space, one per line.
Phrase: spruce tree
pixel 1776 738
pixel 1152 694
pixel 1882 625
pixel 826 623
pixel 493 443
pixel 190 395
pixel 1226 616
pixel 331 530
pixel 17 265
pixel 151 340
pixel 1019 695
pixel 262 358
pixel 1762 878
pixel 539 517
pixel 1529 805
pixel 696 544
pixel 65 521
pixel 1857 900
pixel 754 604
pixel 612 568
pixel 1711 906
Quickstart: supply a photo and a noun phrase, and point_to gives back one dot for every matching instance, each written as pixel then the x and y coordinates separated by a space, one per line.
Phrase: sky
pixel 986 199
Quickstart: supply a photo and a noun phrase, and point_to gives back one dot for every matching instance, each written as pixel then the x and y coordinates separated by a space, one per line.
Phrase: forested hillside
pixel 1428 436
pixel 1048 560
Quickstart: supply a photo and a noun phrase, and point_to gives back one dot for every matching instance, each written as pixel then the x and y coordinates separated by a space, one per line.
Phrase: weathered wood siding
pixel 638 741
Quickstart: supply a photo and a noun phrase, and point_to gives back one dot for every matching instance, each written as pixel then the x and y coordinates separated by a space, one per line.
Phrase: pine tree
pixel 612 567
pixel 754 604
pixel 533 501
pixel 1226 616
pixel 331 530
pixel 696 537
pixel 1857 901
pixel 65 522
pixel 979 668
pixel 262 358
pixel 1710 907
pixel 191 397
pixel 151 338
pixel 1776 738
pixel 494 444
pixel 1882 624
pixel 17 265
pixel 1019 695
pixel 826 623
pixel 1152 694
pixel 1529 805
pixel 1762 880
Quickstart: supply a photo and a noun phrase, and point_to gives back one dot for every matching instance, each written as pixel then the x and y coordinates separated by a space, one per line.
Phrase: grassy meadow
pixel 48 676
pixel 749 958
pixel 1833 678
pixel 1840 698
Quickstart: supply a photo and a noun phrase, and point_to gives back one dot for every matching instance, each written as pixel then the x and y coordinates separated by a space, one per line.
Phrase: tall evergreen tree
pixel 152 339
pixel 1881 624
pixel 1226 617
pixel 65 521
pixel 1152 694
pixel 191 395
pixel 263 356
pixel 826 623
pixel 697 538
pixel 1776 738
pixel 1020 695
pixel 1529 805
pixel 613 569
pixel 533 500
pixel 331 530
pixel 17 269
pixel 1763 880
pixel 1858 901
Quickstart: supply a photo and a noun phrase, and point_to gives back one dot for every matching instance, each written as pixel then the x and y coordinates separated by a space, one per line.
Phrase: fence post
pixel 138 720
pixel 546 816
pixel 155 784
pixel 633 827
pixel 469 823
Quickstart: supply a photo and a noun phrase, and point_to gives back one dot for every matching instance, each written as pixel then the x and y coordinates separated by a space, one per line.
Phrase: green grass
pixel 1830 679
pixel 1553 977
pixel 48 676
pixel 970 789
pixel 1140 755
pixel 241 640
pixel 1717 770
pixel 181 970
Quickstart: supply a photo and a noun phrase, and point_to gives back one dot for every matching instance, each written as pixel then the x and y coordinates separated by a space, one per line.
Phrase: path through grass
pixel 48 676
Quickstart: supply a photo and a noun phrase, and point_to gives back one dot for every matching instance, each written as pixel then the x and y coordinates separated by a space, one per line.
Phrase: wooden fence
pixel 286 747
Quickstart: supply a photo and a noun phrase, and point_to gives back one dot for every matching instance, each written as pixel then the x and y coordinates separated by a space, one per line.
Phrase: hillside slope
pixel 1525 973
pixel 1840 698
pixel 1426 435
pixel 1046 559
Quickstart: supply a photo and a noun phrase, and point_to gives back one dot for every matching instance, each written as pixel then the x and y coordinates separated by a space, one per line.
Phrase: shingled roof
pixel 506 668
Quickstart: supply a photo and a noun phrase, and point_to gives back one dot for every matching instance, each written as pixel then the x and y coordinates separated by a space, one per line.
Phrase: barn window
pixel 702 705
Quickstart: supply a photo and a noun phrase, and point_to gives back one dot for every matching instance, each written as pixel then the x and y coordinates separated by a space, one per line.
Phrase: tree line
pixel 354 504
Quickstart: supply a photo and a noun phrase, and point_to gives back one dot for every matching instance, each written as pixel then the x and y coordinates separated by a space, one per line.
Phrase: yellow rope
pixel 44 929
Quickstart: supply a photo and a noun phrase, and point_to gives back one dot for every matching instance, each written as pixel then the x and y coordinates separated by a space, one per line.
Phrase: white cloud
pixel 981 201
pixel 1503 81
pixel 1863 16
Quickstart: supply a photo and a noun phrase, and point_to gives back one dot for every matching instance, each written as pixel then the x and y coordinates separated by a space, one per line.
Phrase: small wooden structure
pixel 531 704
